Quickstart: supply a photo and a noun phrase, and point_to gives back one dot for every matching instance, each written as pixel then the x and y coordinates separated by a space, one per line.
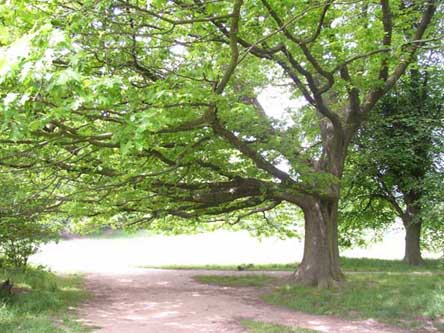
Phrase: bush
pixel 26 200
pixel 17 252
pixel 18 241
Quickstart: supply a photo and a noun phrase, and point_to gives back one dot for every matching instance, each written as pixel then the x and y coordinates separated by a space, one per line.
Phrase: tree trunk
pixel 320 265
pixel 412 224
pixel 412 254
pixel 412 245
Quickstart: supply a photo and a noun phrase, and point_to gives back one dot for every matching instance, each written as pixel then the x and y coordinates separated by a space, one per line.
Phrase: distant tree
pixel 396 166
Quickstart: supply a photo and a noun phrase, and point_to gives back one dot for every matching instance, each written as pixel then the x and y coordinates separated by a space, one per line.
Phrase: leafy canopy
pixel 151 109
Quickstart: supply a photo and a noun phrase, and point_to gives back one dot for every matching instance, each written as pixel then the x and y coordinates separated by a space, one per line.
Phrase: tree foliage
pixel 151 109
pixel 26 202
pixel 396 167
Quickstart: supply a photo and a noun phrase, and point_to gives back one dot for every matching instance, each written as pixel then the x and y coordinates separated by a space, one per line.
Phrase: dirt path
pixel 162 301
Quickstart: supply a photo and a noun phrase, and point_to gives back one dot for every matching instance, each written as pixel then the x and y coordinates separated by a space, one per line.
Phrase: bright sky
pixel 277 102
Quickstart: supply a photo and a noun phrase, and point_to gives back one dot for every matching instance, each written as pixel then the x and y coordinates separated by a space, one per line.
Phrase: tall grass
pixel 40 302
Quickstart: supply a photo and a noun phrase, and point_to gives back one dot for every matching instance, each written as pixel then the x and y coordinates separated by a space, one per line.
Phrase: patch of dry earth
pixel 168 301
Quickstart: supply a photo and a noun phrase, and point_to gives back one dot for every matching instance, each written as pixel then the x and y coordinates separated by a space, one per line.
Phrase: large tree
pixel 396 163
pixel 153 105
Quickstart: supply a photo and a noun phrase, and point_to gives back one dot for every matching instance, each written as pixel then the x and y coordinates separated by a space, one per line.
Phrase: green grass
pixel 41 304
pixel 384 290
pixel 405 300
pixel 233 267
pixel 381 265
pixel 348 264
pixel 236 281
pixel 262 327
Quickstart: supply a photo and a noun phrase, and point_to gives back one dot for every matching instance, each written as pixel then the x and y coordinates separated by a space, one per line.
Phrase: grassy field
pixel 247 267
pixel 262 327
pixel 388 291
pixel 236 281
pixel 347 264
pixel 402 299
pixel 40 302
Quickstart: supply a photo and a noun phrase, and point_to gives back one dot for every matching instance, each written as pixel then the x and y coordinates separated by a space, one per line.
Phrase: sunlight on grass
pixel 39 299
pixel 404 300
pixel 263 327
pixel 382 265
pixel 235 281
pixel 347 264
pixel 408 297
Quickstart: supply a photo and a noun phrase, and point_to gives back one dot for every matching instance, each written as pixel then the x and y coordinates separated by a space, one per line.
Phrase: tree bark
pixel 320 264
pixel 412 244
pixel 412 224
pixel 412 254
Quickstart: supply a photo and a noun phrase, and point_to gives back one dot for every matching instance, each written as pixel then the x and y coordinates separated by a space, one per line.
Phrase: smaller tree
pixel 26 199
pixel 395 165
pixel 21 239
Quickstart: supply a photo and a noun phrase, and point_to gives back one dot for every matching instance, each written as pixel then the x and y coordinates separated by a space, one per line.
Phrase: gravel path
pixel 167 301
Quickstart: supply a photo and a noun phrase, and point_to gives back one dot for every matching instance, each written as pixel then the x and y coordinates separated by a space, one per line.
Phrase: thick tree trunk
pixel 320 265
pixel 412 224
pixel 412 254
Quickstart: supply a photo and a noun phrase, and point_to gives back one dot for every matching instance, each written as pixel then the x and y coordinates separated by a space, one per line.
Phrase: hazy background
pixel 113 253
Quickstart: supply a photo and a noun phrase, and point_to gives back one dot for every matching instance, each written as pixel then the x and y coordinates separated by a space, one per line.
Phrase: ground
pixel 127 298
pixel 168 301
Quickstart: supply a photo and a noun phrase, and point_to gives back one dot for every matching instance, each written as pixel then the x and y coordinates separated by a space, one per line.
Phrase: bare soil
pixel 169 301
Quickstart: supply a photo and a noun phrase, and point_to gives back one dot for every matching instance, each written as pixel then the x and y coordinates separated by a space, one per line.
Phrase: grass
pixel 388 291
pixel 381 265
pixel 236 281
pixel 41 302
pixel 234 267
pixel 347 264
pixel 263 327
pixel 404 300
